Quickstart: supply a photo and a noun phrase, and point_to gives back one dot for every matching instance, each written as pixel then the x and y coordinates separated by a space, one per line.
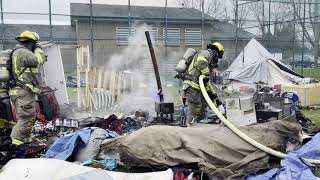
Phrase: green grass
pixel 313 115
pixel 309 72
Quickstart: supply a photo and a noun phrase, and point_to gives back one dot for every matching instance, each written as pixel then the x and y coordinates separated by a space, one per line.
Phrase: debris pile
pixel 95 146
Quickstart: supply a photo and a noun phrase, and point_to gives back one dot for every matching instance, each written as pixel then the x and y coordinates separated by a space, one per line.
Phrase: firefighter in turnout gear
pixel 202 64
pixel 26 58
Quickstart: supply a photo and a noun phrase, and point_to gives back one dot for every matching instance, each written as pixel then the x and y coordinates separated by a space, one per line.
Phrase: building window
pixel 122 35
pixel 193 36
pixel 154 33
pixel 173 37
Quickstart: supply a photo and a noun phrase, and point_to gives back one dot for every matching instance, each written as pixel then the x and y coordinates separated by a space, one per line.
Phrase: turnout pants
pixel 24 102
pixel 197 105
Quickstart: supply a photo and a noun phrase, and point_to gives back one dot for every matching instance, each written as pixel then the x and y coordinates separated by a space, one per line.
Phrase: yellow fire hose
pixel 243 136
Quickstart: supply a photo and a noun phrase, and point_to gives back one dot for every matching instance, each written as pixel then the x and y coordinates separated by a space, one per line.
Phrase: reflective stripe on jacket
pixel 25 64
pixel 199 66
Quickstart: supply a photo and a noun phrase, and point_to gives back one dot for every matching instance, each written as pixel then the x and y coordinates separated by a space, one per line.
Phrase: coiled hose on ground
pixel 239 133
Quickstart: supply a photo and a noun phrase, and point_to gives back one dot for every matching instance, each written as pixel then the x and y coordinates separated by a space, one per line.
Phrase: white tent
pixel 255 64
pixel 54 169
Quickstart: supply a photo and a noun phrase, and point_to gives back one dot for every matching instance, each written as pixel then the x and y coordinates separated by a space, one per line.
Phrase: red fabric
pixel 41 118
pixel 277 87
pixel 180 176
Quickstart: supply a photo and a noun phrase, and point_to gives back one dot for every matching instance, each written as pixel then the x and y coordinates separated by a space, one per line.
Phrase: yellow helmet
pixel 28 35
pixel 219 46
pixel 216 45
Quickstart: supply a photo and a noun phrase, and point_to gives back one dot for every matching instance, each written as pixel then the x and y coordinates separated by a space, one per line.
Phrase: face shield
pixel 214 58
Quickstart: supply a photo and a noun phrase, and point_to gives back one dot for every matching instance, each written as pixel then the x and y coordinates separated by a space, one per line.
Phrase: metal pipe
pixel 129 17
pixel 77 31
pixel 236 26
pixel 2 25
pixel 166 28
pixel 202 23
pixel 263 21
pixel 91 34
pixel 303 34
pixel 155 65
pixel 269 31
pixel 294 36
pixel 50 21
pixel 129 29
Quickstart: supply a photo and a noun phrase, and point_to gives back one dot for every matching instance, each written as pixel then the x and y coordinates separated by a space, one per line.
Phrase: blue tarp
pixel 293 166
pixel 63 147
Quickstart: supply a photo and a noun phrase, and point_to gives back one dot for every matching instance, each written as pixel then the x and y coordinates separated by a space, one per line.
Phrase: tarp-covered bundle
pixel 255 64
pixel 213 149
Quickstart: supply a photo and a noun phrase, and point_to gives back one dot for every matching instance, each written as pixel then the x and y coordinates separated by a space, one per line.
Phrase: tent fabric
pixel 94 174
pixel 64 147
pixel 54 169
pixel 93 146
pixel 293 167
pixel 256 65
pixel 214 149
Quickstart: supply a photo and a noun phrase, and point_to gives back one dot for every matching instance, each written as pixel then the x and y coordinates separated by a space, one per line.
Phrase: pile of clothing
pixel 113 123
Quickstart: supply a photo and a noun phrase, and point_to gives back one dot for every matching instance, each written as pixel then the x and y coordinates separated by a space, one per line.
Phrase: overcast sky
pixel 59 7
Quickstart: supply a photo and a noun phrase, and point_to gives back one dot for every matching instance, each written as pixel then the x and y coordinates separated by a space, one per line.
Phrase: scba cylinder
pixel 184 61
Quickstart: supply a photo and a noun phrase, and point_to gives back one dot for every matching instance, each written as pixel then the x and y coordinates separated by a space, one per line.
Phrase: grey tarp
pixel 215 150
pixel 92 148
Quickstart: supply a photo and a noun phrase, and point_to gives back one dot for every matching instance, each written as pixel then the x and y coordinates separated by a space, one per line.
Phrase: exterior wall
pixel 105 44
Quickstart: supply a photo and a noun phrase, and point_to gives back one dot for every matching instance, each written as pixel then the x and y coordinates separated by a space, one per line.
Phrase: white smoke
pixel 130 60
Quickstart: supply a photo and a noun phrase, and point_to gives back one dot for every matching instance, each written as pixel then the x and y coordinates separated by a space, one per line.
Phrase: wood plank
pixel 106 80
pixel 119 86
pixel 112 84
pixel 99 83
pixel 78 79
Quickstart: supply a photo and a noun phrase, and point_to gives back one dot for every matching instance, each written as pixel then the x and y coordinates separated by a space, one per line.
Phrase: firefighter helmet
pixel 28 35
pixel 217 46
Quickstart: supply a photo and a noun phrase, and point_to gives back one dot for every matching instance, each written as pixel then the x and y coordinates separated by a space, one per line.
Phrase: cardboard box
pixel 241 111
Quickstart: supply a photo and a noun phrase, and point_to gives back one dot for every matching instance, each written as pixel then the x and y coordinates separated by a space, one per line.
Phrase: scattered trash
pixel 113 123
pixel 66 125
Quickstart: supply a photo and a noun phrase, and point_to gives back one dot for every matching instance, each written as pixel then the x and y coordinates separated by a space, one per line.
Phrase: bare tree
pixel 243 13
pixel 279 14
pixel 311 18
pixel 214 8
pixel 257 13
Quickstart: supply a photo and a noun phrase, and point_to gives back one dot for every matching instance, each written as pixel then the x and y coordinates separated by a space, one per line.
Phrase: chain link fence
pixel 289 29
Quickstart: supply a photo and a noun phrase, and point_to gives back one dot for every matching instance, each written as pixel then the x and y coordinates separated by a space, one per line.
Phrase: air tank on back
pixel 185 60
